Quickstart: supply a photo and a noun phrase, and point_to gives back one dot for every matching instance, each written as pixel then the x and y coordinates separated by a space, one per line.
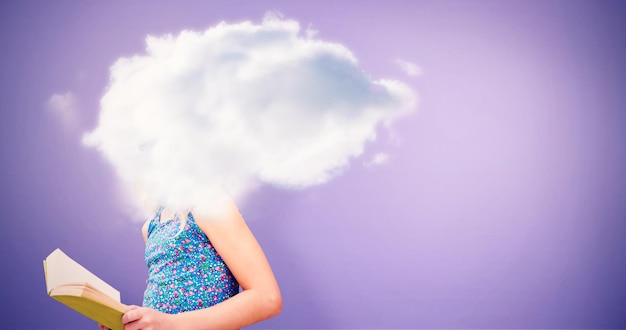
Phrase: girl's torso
pixel 185 272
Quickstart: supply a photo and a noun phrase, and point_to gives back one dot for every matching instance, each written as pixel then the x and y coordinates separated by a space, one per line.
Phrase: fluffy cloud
pixel 409 68
pixel 238 105
pixel 378 159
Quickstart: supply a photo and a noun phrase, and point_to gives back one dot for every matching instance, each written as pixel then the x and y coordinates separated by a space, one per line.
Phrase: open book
pixel 73 285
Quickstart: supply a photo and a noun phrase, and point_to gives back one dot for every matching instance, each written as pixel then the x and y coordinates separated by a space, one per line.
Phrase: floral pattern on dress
pixel 185 272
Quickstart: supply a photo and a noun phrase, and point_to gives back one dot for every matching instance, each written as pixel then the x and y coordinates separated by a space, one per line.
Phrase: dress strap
pixel 155 220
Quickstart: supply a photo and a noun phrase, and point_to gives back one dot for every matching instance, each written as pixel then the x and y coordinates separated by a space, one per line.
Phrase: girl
pixel 195 268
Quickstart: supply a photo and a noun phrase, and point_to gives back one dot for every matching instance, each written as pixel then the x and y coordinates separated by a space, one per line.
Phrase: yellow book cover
pixel 73 285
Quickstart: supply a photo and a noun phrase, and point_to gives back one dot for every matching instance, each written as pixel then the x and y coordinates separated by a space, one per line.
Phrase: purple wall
pixel 503 204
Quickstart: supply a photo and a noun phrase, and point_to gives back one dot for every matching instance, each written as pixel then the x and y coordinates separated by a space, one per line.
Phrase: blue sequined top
pixel 185 272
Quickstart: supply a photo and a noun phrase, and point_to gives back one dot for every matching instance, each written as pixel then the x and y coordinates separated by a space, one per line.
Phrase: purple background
pixel 503 205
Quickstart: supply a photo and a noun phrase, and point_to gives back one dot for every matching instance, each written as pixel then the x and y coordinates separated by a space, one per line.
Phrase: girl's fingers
pixel 133 314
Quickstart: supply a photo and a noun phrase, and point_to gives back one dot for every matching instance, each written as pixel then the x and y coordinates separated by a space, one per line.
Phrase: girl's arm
pixel 259 300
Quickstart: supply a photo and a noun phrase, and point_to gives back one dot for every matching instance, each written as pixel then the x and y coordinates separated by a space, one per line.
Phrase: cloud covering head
pixel 238 105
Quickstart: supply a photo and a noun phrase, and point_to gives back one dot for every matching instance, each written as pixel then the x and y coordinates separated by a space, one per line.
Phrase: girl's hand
pixel 146 319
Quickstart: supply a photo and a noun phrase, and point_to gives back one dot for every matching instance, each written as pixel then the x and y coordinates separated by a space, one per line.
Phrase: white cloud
pixel 64 106
pixel 378 159
pixel 409 68
pixel 310 32
pixel 238 105
pixel 273 16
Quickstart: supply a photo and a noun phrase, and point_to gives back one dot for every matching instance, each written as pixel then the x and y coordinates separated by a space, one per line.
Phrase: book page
pixel 86 291
pixel 61 269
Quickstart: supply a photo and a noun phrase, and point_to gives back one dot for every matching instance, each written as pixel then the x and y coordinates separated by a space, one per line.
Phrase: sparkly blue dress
pixel 185 272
